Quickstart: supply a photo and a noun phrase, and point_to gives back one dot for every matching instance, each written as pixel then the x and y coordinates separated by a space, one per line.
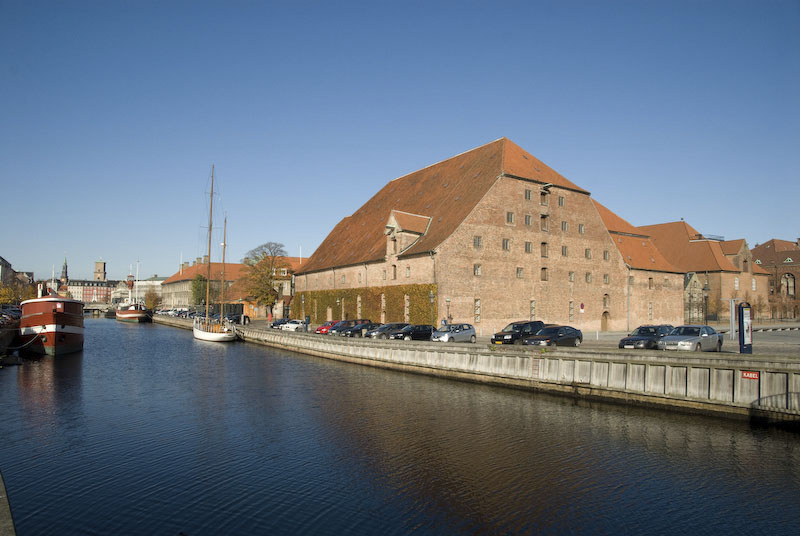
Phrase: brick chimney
pixel 205 259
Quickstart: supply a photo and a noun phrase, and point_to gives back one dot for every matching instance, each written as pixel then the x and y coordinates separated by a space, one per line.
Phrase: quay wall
pixel 738 386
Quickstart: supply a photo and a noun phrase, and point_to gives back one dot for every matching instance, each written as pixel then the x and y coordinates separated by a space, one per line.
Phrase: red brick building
pixel 781 260
pixel 488 237
pixel 725 268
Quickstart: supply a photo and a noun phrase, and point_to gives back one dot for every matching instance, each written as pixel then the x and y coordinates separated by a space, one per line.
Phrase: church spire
pixel 64 276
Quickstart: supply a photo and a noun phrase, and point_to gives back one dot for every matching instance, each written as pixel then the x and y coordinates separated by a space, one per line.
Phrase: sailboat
pixel 206 328
pixel 132 310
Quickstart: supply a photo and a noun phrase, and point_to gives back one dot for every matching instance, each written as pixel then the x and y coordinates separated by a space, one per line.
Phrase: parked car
pixel 358 329
pixel 516 331
pixel 339 326
pixel 342 325
pixel 382 332
pixel 455 333
pixel 645 337
pixel 293 325
pixel 278 323
pixel 418 332
pixel 692 338
pixel 323 329
pixel 556 336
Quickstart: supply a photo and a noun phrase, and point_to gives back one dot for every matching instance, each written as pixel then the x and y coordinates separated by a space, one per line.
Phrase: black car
pixel 339 327
pixel 516 331
pixel 645 337
pixel 358 329
pixel 419 332
pixel 382 332
pixel 278 323
pixel 556 336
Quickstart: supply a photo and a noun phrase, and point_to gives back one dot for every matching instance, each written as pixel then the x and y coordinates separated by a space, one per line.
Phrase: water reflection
pixel 154 430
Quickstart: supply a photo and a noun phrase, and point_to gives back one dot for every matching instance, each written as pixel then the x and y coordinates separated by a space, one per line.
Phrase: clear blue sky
pixel 113 112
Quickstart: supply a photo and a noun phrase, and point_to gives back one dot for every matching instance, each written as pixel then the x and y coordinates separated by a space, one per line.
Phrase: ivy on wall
pixel 419 306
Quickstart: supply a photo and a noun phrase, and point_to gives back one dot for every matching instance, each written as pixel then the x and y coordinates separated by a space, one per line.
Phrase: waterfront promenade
pixel 758 387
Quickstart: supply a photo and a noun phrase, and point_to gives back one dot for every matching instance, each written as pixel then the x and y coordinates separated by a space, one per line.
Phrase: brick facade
pixel 527 249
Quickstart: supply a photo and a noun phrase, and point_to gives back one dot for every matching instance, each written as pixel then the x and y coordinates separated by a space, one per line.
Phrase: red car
pixel 323 329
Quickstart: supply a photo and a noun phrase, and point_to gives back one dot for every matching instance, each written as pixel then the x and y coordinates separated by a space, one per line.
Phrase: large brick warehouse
pixel 489 236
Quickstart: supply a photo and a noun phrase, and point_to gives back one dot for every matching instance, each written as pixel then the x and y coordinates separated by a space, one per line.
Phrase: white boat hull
pixel 213 332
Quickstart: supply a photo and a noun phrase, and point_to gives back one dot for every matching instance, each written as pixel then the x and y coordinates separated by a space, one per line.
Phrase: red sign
pixel 749 375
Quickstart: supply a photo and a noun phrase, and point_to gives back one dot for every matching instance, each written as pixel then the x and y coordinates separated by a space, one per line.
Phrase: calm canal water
pixel 151 432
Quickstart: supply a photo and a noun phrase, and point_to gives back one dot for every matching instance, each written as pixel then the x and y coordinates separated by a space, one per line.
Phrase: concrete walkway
pixel 6 521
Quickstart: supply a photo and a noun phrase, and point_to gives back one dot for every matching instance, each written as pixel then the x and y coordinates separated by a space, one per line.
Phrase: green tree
pixel 199 289
pixel 263 266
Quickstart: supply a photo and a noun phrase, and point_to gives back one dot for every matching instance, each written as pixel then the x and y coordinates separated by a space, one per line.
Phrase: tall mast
pixel 210 212
pixel 224 243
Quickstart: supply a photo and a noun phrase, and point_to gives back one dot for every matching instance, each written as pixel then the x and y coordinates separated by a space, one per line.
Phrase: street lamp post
pixel 705 304
pixel 447 300
pixel 303 307
pixel 431 297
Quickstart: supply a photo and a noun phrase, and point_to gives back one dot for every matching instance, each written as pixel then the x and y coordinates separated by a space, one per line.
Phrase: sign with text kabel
pixel 750 375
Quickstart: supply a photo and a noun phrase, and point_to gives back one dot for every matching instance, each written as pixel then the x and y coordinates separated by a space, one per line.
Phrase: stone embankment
pixel 765 389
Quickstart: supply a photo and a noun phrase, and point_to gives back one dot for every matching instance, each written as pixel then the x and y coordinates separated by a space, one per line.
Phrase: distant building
pixel 7 274
pixel 781 260
pixel 90 291
pixel 723 270
pixel 176 290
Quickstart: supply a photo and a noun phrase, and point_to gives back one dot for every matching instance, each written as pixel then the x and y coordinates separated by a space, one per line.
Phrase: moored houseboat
pixel 135 312
pixel 51 325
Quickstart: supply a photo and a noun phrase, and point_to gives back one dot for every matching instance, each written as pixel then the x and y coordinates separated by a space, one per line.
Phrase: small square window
pixel 510 218
pixel 605 279
pixel 544 198
pixel 528 195
pixel 606 255
pixel 544 250
pixel 519 272
pixel 507 244
pixel 528 220
pixel 572 277
pixel 564 251
pixel 408 271
pixel 477 242
pixel 580 228
pixel 560 200
pixel 544 274
pixel 588 253
pixel 476 269
pixel 543 223
pixel 588 277
pixel 564 226
pixel 528 247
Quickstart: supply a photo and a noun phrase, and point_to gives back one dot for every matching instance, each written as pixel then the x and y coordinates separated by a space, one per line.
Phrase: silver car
pixel 692 338
pixel 455 333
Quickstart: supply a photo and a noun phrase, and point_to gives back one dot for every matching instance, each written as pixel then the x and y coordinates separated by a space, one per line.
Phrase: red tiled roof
pixel 775 252
pixel 732 247
pixel 445 193
pixel 233 272
pixel 637 250
pixel 614 223
pixel 411 222
pixel 687 249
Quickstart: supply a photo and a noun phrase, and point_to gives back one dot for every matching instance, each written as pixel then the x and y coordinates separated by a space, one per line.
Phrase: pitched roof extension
pixel 687 249
pixel 637 250
pixel 442 195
